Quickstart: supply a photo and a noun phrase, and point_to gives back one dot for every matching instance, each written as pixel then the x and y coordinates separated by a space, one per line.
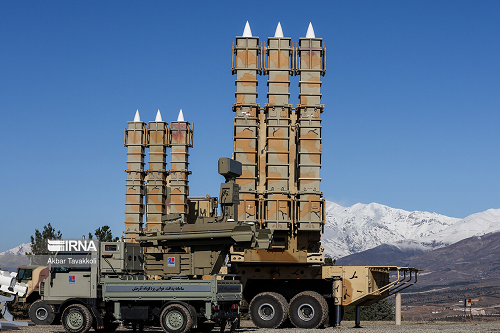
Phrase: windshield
pixel 24 274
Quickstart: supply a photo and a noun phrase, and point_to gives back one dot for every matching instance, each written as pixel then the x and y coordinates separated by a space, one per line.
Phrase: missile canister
pixel 135 143
pixel 310 66
pixel 157 136
pixel 275 164
pixel 181 139
pixel 246 66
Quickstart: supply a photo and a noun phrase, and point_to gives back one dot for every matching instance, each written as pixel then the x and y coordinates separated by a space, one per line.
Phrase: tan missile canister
pixel 134 207
pixel 277 141
pixel 310 66
pixel 181 139
pixel 246 66
pixel 157 136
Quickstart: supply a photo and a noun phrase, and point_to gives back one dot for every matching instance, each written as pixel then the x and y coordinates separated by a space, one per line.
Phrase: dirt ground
pixel 347 326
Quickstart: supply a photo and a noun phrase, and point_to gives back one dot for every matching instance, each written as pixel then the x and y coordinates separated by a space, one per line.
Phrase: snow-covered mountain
pixel 361 227
pixel 473 225
pixel 20 249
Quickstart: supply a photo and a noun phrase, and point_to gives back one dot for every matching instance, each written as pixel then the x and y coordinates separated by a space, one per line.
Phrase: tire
pixel 175 318
pixel 76 318
pixel 308 309
pixel 42 313
pixel 268 310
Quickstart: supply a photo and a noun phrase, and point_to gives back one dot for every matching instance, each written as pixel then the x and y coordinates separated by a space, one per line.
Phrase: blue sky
pixel 411 94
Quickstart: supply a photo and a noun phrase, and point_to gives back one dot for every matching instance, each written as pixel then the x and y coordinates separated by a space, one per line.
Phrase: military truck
pixel 116 290
pixel 179 290
pixel 31 275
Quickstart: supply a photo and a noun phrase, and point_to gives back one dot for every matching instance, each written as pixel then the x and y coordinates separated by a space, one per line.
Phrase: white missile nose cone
pixel 181 116
pixel 137 118
pixel 279 31
pixel 310 31
pixel 158 116
pixel 247 32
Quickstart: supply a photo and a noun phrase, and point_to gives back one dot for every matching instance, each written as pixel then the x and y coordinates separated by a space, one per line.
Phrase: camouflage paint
pixel 310 66
pixel 157 136
pixel 246 67
pixel 365 285
pixel 202 207
pixel 181 138
pixel 350 285
pixel 278 204
pixel 134 207
pixel 288 156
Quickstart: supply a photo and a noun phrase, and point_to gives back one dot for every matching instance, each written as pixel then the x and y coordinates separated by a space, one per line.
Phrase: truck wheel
pixel 42 313
pixel 308 309
pixel 268 310
pixel 76 318
pixel 175 318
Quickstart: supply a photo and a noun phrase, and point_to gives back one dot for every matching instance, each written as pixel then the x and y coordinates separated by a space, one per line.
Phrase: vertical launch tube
pixel 181 138
pixel 246 67
pixel 277 110
pixel 310 67
pixel 157 143
pixel 134 195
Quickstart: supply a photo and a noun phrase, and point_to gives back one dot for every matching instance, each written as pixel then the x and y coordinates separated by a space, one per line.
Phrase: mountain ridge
pixel 357 228
pixel 360 227
pixel 18 250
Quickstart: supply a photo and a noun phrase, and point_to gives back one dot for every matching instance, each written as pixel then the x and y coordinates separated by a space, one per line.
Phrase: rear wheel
pixel 308 310
pixel 175 318
pixel 42 313
pixel 268 310
pixel 76 318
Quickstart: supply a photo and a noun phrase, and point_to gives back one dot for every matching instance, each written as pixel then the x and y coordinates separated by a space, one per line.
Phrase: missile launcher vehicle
pixel 279 147
pixel 167 270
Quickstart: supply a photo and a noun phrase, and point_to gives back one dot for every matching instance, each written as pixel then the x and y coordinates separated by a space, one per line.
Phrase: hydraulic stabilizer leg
pixel 357 317
pixel 337 299
pixel 338 314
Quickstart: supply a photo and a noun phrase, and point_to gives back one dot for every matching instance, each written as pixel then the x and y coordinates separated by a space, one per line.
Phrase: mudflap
pixel 194 315
pixel 232 319
pixel 97 316
pixel 235 324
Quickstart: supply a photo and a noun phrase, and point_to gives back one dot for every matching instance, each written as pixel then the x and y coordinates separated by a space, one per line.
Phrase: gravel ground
pixel 406 327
